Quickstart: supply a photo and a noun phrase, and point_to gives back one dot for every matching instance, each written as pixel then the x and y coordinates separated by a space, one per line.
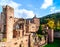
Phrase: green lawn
pixel 56 43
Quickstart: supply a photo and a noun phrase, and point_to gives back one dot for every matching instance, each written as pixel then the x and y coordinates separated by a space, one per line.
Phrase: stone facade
pixel 17 32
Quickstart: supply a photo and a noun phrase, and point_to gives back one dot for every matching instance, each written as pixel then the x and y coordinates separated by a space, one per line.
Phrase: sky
pixel 29 8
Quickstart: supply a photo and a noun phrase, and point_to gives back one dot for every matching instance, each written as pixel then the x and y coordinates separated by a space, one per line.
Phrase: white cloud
pixel 54 10
pixel 3 2
pixel 14 4
pixel 27 13
pixel 57 10
pixel 24 13
pixel 17 11
pixel 46 4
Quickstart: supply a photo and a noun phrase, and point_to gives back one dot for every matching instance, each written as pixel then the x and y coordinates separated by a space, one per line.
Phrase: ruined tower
pixel 9 20
pixel 37 22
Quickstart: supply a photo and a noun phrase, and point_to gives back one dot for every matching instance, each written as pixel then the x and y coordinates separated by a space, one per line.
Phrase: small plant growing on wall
pixel 4 40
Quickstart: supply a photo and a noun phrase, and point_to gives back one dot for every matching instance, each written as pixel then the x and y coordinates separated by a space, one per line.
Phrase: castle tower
pixel 37 22
pixel 9 20
pixel 51 35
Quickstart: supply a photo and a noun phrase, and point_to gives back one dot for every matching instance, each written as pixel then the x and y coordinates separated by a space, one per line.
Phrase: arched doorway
pixel 20 45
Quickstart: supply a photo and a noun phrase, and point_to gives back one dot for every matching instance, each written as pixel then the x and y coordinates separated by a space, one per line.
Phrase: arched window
pixel 17 26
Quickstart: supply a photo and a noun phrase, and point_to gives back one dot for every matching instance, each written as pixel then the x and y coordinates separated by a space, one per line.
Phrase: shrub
pixel 4 40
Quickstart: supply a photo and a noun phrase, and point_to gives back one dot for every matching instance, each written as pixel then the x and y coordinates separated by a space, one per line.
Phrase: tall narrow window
pixel 4 33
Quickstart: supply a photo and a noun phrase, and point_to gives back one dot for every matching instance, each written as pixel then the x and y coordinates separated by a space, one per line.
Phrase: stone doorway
pixel 20 45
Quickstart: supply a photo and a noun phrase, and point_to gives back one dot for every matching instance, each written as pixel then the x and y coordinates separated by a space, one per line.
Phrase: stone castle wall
pixel 16 31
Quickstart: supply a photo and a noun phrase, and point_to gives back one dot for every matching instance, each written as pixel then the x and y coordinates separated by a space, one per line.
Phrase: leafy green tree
pixel 58 26
pixel 51 24
pixel 40 30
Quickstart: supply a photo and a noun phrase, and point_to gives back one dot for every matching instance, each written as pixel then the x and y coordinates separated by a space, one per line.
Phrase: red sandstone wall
pixel 9 17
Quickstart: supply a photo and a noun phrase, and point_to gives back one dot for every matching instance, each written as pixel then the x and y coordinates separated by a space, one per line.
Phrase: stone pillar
pixel 21 33
pixel 31 40
pixel 25 27
pixel 51 35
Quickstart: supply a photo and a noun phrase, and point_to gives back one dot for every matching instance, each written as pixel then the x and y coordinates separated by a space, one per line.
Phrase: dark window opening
pixel 14 34
pixel 18 34
pixel 20 45
pixel 4 29
pixel 4 32
pixel 15 43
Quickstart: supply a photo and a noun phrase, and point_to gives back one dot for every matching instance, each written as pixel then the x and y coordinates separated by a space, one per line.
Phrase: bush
pixel 40 36
pixel 4 40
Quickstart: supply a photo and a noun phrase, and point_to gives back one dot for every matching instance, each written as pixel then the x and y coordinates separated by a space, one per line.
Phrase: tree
pixel 51 24
pixel 58 25
pixel 40 30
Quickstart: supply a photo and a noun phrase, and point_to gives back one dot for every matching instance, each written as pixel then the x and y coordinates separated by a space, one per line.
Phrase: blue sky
pixel 28 8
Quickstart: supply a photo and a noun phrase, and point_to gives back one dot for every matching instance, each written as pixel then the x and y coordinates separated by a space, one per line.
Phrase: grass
pixel 56 43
